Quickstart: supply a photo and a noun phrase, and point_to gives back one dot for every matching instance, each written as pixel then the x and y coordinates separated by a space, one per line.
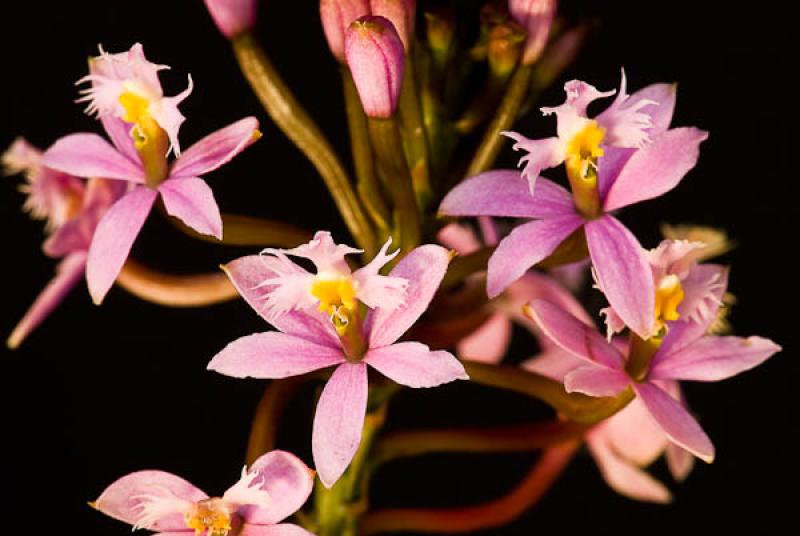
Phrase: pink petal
pixel 714 358
pixel 72 236
pixel 89 155
pixel 414 365
pixel 503 193
pixel 119 132
pixel 554 362
pixel 623 273
pixel 273 355
pixel 190 200
pixel 423 268
pixel 657 168
pixel 679 461
pixel 625 477
pixel 287 480
pixel 216 149
pixel 574 336
pixel 635 435
pixel 527 245
pixel 120 500
pixel 114 238
pixel 660 113
pixel 284 529
pixel 677 423
pixel 609 166
pixel 488 343
pixel 247 273
pixel 540 286
pixel 594 380
pixel 338 421
pixel 459 237
pixel 68 273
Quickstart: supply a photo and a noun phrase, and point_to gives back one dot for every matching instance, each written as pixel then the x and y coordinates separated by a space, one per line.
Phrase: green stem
pixel 241 230
pixel 264 428
pixel 409 112
pixel 464 266
pixel 293 120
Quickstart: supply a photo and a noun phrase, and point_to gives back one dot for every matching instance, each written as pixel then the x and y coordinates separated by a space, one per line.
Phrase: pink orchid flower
pixel 274 487
pixel 624 176
pixel 72 209
pixel 685 353
pixel 185 195
pixel 311 339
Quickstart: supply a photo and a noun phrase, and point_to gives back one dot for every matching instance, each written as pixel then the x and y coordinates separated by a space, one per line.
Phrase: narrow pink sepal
pixel 247 273
pixel 677 423
pixel 413 364
pixel 503 193
pixel 376 59
pixel 623 273
pixel 287 480
pixel 581 340
pixel 69 271
pixel 657 168
pixel 273 355
pixel 216 149
pixel 714 358
pixel 489 342
pixel 423 268
pixel 233 17
pixel 339 420
pixel 595 380
pixel 527 245
pixel 336 16
pixel 191 200
pixel 624 477
pixel 114 238
pixel 120 499
pixel 284 529
pixel 89 155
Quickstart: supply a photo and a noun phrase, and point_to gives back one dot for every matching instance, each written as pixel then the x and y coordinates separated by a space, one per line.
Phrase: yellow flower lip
pixel 583 150
pixel 337 298
pixel 211 517
pixel 669 295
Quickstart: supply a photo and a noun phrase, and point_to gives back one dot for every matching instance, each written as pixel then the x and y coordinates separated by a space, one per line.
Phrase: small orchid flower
pixel 684 353
pixel 624 177
pixel 274 487
pixel 72 209
pixel 126 86
pixel 310 340
pixel 185 195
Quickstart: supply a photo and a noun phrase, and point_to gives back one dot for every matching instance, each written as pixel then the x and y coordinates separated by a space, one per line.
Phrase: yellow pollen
pixel 584 149
pixel 209 515
pixel 669 295
pixel 337 297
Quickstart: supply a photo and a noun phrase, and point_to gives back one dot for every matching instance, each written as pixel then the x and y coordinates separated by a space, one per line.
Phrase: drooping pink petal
pixel 501 192
pixel 119 132
pixel 339 420
pixel 284 529
pixel 191 200
pixel 68 273
pixel 376 290
pixel 577 338
pixel 623 273
pixel 625 477
pixel 680 462
pixel 635 435
pixel 89 155
pixel 273 355
pixel 114 238
pixel 423 268
pixel 216 149
pixel 489 342
pixel 714 358
pixel 287 480
pixel 413 364
pixel 657 168
pixel 134 496
pixel 542 154
pixel 594 380
pixel 527 245
pixel 248 273
pixel 677 423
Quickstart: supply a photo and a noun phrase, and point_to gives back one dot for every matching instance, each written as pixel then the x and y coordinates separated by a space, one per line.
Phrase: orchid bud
pixel 376 58
pixel 402 13
pixel 233 17
pixel 505 47
pixel 336 16
pixel 440 30
pixel 536 16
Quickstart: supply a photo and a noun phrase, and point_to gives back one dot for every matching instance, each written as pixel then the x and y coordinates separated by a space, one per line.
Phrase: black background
pixel 99 392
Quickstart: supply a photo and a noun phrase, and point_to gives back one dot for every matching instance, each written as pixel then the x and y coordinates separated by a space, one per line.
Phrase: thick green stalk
pixel 241 230
pixel 293 120
pixel 409 111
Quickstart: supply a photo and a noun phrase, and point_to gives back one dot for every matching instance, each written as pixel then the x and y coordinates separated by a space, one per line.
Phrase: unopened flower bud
pixel 376 59
pixel 536 16
pixel 336 16
pixel 402 13
pixel 505 47
pixel 440 29
pixel 233 17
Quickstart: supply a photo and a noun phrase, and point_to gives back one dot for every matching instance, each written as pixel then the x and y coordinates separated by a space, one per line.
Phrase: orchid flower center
pixel 669 295
pixel 337 298
pixel 584 149
pixel 149 138
pixel 210 516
